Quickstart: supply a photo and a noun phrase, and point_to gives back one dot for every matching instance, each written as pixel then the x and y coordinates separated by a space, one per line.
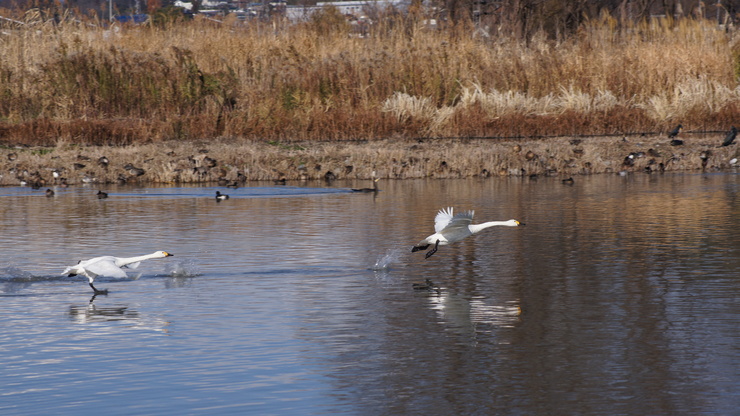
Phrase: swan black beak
pixel 520 223
pixel 168 254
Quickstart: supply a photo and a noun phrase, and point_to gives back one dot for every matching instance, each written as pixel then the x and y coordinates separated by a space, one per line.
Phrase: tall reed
pixel 87 84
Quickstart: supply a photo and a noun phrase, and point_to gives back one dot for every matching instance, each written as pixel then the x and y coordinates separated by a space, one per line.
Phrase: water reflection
pixel 474 314
pixel 103 311
pixel 91 313
pixel 618 297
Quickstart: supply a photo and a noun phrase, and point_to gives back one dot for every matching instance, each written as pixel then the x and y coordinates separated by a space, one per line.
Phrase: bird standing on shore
pixel 672 135
pixel 451 228
pixel 109 266
pixel 730 136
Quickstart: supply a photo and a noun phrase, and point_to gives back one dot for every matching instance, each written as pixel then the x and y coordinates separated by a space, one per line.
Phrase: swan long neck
pixel 474 228
pixel 129 260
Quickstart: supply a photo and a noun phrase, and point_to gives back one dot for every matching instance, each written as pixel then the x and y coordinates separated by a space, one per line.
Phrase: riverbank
pixel 225 162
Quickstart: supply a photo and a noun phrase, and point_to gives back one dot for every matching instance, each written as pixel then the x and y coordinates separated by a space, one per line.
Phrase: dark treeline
pixel 522 18
pixel 559 18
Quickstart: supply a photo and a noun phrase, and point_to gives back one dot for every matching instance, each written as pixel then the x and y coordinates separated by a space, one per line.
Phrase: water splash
pixel 185 268
pixel 12 273
pixel 14 279
pixel 385 261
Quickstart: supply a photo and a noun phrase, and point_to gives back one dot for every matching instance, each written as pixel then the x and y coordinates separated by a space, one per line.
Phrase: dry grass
pixel 82 84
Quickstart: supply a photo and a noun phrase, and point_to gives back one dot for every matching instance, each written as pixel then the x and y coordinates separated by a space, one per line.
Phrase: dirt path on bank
pixel 226 161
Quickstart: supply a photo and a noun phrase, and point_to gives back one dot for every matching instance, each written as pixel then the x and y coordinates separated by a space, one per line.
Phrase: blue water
pixel 619 296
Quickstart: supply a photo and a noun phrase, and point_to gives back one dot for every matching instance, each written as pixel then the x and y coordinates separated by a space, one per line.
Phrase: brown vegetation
pixel 229 162
pixel 84 84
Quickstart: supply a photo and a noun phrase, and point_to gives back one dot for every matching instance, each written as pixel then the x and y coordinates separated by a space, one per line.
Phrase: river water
pixel 620 296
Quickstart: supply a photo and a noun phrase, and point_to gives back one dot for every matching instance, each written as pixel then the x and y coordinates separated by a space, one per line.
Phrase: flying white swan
pixel 109 266
pixel 451 229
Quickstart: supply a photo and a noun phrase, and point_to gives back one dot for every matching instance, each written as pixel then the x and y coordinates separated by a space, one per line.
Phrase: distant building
pixel 244 9
pixel 354 8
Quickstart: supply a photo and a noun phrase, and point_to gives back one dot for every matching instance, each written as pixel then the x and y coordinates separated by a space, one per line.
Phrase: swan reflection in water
pixel 130 318
pixel 92 313
pixel 467 314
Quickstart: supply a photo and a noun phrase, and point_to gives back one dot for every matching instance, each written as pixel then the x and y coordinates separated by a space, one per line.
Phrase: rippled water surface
pixel 619 296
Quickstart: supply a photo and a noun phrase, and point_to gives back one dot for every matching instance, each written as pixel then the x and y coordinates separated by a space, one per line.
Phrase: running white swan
pixel 451 229
pixel 109 266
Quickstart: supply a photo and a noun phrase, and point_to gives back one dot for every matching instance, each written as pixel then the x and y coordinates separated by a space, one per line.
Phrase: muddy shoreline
pixel 226 162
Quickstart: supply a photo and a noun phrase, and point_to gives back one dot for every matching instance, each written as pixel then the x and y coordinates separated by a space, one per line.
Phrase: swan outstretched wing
pixel 457 228
pixel 442 219
pixel 105 267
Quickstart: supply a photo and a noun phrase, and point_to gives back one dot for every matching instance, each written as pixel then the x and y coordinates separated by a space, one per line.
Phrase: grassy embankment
pixel 158 90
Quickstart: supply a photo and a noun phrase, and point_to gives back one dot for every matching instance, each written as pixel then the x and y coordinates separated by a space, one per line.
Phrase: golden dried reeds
pixel 87 84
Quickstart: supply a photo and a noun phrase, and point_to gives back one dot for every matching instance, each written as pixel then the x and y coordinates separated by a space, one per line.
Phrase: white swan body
pixel 451 228
pixel 109 266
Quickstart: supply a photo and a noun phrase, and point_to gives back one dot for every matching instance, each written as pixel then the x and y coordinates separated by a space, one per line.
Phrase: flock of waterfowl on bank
pixel 231 163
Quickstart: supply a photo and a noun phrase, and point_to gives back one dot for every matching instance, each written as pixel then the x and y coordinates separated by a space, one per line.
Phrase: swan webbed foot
pixel 432 251
pixel 98 292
